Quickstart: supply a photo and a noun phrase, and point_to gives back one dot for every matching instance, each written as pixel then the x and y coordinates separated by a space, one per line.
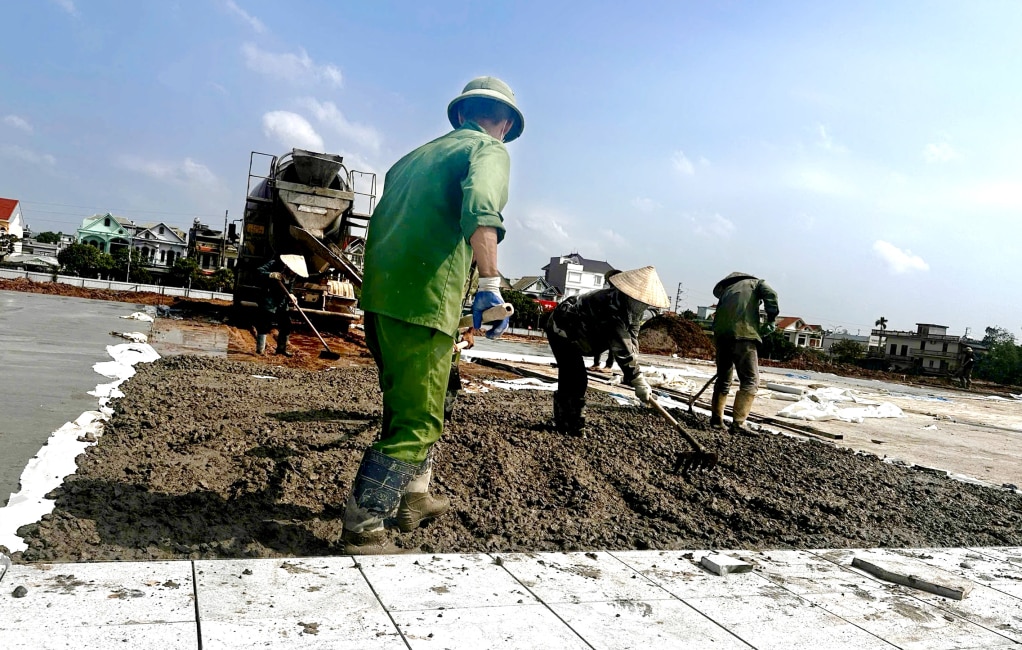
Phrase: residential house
pixel 573 275
pixel 535 286
pixel 105 232
pixel 929 349
pixel 842 335
pixel 12 222
pixel 799 332
pixel 35 247
pixel 213 249
pixel 161 245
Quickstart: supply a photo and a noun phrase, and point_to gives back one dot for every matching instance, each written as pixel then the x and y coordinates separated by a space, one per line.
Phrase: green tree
pixel 7 242
pixel 777 347
pixel 184 272
pixel 48 237
pixel 1002 362
pixel 527 310
pixel 138 264
pixel 847 350
pixel 995 335
pixel 223 279
pixel 80 259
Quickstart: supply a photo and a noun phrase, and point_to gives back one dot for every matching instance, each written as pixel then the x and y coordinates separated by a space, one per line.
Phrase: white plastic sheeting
pixel 527 383
pixel 56 459
pixel 140 316
pixel 807 409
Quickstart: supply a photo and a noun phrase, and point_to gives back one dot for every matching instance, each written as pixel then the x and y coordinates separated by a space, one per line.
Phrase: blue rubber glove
pixel 488 295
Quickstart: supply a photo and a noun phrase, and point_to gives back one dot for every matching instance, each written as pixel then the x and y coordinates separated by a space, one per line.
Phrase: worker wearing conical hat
pixel 276 302
pixel 736 333
pixel 441 208
pixel 607 319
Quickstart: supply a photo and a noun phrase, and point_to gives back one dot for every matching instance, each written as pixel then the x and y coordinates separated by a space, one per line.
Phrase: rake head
pixel 688 461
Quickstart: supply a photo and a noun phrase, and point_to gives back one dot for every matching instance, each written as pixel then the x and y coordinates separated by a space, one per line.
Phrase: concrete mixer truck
pixel 308 204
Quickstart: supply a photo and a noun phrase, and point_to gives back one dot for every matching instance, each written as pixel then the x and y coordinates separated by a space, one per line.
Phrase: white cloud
pixel 331 116
pixel 819 181
pixel 825 141
pixel 18 123
pixel 67 5
pixel 899 261
pixel 614 238
pixel 290 67
pixel 714 226
pixel 682 164
pixel 644 204
pixel 291 130
pixel 939 152
pixel 186 172
pixel 27 155
pixel 253 22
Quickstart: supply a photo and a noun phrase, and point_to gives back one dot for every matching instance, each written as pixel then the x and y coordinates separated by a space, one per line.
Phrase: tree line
pixel 88 261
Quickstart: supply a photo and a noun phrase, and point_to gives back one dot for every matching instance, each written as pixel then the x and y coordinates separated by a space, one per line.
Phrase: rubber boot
pixel 282 346
pixel 418 506
pixel 717 404
pixel 568 415
pixel 260 344
pixel 740 411
pixel 375 495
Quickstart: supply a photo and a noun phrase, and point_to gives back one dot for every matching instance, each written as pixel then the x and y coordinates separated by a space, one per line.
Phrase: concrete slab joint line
pixel 934 583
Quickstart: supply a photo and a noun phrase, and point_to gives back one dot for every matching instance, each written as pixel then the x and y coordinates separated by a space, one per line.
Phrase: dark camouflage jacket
pixel 275 300
pixel 602 320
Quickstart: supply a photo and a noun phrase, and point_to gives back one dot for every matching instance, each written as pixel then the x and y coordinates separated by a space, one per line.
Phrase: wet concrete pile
pixel 205 459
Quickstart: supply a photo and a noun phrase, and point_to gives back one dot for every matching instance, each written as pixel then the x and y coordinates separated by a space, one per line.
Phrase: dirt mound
pixel 671 334
pixel 203 458
pixel 136 297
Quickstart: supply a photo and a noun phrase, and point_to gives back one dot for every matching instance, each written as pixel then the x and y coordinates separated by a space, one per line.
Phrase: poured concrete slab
pixel 310 602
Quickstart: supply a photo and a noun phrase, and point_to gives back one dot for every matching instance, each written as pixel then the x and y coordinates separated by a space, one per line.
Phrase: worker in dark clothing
pixel 607 319
pixel 277 300
pixel 965 371
pixel 599 353
pixel 736 333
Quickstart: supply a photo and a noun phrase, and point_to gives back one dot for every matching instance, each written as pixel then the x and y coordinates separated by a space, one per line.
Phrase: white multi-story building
pixel 574 275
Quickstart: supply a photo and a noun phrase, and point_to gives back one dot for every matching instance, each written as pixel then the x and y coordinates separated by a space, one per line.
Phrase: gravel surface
pixel 204 460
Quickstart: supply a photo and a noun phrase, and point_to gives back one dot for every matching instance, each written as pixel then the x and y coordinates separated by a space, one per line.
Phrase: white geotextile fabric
pixel 140 316
pixel 134 337
pixel 807 409
pixel 56 459
pixel 528 383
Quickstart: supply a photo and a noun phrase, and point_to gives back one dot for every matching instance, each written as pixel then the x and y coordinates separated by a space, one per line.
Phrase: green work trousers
pixel 414 363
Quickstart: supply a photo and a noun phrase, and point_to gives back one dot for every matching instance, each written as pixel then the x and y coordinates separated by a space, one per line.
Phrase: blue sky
pixel 861 157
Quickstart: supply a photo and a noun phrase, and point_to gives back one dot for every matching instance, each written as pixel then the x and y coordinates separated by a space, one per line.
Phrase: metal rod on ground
pixel 702 390
pixel 327 353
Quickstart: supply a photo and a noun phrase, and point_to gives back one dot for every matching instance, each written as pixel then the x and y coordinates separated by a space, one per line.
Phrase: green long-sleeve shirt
pixel 418 255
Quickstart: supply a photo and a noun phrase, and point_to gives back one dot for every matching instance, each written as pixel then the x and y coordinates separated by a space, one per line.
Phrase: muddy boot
pixel 260 344
pixel 568 415
pixel 418 506
pixel 717 404
pixel 375 495
pixel 740 411
pixel 282 346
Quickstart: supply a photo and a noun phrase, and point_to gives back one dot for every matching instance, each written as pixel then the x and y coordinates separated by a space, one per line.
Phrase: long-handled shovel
pixel 687 460
pixel 692 400
pixel 326 353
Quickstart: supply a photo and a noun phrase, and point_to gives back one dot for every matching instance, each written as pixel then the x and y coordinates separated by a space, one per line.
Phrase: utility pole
pixel 677 299
pixel 223 243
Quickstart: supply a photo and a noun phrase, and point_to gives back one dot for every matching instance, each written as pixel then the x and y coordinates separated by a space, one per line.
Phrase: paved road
pixel 48 345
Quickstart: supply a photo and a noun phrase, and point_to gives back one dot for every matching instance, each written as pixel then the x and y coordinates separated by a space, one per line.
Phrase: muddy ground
pixel 204 460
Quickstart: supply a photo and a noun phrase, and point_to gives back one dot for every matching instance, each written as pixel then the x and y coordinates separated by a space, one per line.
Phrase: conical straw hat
pixel 643 285
pixel 296 263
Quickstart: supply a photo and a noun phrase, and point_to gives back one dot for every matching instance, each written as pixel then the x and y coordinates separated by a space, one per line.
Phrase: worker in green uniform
pixel 441 207
pixel 736 333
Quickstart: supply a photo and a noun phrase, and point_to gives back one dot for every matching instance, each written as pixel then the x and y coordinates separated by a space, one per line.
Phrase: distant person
pixel 965 371
pixel 607 319
pixel 441 207
pixel 736 332
pixel 277 300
